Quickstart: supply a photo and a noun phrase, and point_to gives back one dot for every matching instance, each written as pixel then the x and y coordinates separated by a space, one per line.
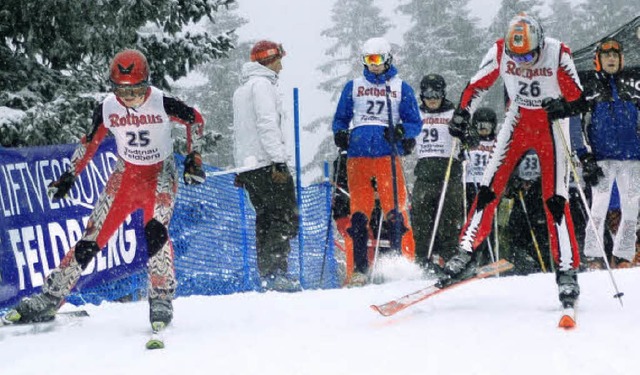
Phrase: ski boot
pixel 460 267
pixel 35 309
pixel 280 283
pixel 160 311
pixel 568 288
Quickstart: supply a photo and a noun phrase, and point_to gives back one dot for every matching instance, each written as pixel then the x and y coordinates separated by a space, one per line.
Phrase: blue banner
pixel 36 232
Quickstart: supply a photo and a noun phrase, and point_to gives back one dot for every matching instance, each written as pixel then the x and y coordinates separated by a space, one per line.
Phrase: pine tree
pixel 55 55
pixel 221 77
pixel 444 39
pixel 354 21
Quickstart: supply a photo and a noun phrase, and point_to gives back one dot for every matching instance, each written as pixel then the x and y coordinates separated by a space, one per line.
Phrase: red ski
pixel 399 304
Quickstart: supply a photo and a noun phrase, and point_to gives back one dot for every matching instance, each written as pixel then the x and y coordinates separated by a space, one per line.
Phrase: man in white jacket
pixel 259 144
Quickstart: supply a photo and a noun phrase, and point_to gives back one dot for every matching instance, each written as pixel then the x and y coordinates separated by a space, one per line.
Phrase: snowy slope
pixel 501 325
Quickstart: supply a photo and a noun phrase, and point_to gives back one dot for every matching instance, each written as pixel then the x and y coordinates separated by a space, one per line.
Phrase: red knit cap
pixel 265 52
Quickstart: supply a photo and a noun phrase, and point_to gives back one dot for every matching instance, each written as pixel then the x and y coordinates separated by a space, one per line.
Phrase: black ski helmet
pixel 484 117
pixel 432 86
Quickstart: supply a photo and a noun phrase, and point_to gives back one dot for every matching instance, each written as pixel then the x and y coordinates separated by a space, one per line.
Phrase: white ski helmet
pixel 377 46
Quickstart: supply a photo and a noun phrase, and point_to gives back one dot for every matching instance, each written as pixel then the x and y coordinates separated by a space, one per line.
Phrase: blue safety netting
pixel 213 235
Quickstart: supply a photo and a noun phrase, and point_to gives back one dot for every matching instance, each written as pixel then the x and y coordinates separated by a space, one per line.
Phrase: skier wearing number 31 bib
pixel 533 68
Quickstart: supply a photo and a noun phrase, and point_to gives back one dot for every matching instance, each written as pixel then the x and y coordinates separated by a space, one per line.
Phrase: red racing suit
pixel 526 127
pixel 144 177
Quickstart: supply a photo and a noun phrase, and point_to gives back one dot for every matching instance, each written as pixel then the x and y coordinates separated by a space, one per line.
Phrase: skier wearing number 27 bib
pixel 145 176
pixel 533 67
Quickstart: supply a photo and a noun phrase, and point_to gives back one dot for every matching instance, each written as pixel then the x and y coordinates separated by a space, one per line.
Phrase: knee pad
pixel 485 196
pixel 556 205
pixel 85 251
pixel 157 235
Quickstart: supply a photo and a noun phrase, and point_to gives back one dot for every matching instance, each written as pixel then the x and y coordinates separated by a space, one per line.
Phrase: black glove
pixel 459 125
pixel 193 172
pixel 408 145
pixel 59 188
pixel 280 173
pixel 591 172
pixel 398 133
pixel 341 139
pixel 556 108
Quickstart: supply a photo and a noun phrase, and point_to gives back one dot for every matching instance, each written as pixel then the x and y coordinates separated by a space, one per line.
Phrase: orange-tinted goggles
pixel 130 91
pixel 377 59
pixel 610 45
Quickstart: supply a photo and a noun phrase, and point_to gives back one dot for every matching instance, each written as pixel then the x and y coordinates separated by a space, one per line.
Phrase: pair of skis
pixel 156 341
pixel 567 320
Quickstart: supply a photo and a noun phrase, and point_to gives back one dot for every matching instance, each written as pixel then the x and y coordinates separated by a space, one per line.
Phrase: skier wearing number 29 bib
pixel 533 68
pixel 145 176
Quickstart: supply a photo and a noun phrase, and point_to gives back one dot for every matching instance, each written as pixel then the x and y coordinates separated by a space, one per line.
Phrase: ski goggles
pixel 375 59
pixel 524 58
pixel 130 91
pixel 278 52
pixel 610 45
pixel 432 94
pixel 484 125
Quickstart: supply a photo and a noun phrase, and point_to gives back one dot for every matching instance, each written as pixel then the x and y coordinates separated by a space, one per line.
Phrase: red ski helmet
pixel 129 67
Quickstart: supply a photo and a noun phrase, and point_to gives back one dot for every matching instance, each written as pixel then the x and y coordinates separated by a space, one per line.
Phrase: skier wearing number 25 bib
pixel 533 68
pixel 140 117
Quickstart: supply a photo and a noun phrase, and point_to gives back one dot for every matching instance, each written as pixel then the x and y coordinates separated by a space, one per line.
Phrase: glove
pixel 591 172
pixel 279 173
pixel 408 145
pixel 193 172
pixel 59 188
pixel 556 108
pixel 459 125
pixel 398 133
pixel 341 139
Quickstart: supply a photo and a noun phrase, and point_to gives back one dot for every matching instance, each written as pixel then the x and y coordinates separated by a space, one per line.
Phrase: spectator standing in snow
pixel 435 146
pixel 361 126
pixel 611 152
pixel 533 67
pixel 139 116
pixel 259 144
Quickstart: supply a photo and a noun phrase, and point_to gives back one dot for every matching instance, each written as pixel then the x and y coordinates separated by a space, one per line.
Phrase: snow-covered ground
pixel 503 325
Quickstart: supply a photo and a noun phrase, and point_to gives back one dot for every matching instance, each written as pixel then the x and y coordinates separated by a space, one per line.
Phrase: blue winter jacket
pixel 369 141
pixel 612 130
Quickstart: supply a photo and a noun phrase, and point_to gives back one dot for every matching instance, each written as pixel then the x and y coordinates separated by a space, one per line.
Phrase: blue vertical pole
pixel 296 126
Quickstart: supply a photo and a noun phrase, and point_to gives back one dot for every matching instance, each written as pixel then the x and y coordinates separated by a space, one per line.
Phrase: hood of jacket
pixel 254 69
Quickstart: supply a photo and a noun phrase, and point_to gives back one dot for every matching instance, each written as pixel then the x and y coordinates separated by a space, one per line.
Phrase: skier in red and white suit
pixel 533 68
pixel 140 117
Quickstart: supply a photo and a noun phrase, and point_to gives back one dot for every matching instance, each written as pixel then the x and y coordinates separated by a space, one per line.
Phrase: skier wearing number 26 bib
pixel 533 68
pixel 144 177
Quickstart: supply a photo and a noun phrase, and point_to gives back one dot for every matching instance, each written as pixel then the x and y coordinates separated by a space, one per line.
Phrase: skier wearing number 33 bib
pixel 533 67
pixel 141 118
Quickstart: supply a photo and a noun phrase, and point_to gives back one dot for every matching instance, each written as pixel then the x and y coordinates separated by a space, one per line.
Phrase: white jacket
pixel 257 119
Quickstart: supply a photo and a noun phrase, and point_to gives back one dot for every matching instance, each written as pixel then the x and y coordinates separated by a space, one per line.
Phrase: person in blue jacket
pixel 612 151
pixel 361 126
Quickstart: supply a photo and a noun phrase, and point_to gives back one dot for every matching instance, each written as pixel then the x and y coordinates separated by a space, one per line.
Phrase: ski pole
pixel 230 171
pixel 443 193
pixel 329 219
pixel 617 294
pixel 394 152
pixel 533 235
